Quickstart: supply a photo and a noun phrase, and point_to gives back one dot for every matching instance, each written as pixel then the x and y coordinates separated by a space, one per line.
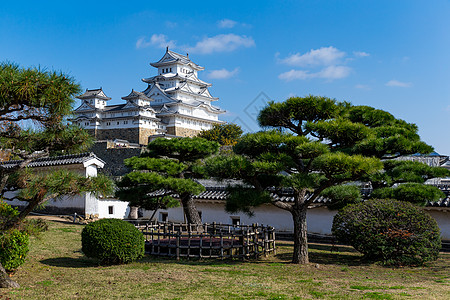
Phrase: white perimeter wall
pixel 77 201
pixel 319 220
pixel 443 220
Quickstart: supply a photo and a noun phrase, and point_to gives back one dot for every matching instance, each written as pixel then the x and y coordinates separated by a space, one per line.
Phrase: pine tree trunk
pixel 300 255
pixel 22 215
pixel 190 211
pixel 133 215
pixel 5 281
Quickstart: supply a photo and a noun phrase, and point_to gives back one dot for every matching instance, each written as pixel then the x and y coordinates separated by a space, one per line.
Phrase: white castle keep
pixel 175 103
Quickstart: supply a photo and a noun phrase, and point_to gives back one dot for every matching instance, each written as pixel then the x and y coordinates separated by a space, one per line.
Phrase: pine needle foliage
pixel 311 144
pixel 169 168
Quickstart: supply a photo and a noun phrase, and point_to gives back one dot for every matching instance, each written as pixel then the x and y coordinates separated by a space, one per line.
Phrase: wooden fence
pixel 208 240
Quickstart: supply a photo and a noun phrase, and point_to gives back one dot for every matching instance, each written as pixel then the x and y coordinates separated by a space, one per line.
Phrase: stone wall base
pixel 133 135
pixel 184 132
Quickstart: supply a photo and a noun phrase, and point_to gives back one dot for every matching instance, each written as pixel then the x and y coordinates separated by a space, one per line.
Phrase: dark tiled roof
pixel 114 107
pixel 54 161
pixel 440 203
pixel 135 94
pixel 217 190
pixel 94 93
pixel 175 57
pixel 445 202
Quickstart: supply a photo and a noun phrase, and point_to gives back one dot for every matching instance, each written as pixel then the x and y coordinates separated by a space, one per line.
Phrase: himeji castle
pixel 175 103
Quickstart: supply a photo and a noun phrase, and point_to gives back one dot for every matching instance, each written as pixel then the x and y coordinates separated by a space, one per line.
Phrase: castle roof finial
pixel 167 48
pixel 187 55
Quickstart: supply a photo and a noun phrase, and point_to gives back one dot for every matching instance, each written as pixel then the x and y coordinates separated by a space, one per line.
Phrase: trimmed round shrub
pixel 7 212
pixel 13 248
pixel 112 241
pixel 390 231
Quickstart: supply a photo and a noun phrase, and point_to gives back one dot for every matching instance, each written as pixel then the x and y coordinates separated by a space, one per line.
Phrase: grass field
pixel 56 269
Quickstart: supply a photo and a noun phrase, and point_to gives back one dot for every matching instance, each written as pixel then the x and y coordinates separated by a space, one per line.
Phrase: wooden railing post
pixel 178 244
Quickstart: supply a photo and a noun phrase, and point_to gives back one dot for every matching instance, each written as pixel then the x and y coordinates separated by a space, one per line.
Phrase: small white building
pixel 85 164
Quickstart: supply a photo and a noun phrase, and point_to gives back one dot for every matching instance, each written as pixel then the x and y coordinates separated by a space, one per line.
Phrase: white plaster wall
pixel 202 113
pixel 443 220
pixel 64 202
pixel 120 209
pixel 319 219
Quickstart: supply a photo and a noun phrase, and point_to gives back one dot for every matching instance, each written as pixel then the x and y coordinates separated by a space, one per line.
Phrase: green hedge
pixel 112 241
pixel 391 231
pixel 13 248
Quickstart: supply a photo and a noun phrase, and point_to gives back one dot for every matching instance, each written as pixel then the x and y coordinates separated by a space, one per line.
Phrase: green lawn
pixel 56 269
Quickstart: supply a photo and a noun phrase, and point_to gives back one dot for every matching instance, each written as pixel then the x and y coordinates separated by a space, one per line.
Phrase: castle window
pixel 111 210
pixel 163 216
pixel 170 69
pixel 118 123
pixel 125 122
pixel 235 220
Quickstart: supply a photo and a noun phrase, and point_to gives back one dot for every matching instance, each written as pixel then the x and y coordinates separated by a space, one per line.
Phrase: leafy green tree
pixel 169 166
pixel 34 106
pixel 319 143
pixel 225 134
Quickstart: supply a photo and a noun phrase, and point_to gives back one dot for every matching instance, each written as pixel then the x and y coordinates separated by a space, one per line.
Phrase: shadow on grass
pixel 70 262
pixel 327 254
pixel 194 261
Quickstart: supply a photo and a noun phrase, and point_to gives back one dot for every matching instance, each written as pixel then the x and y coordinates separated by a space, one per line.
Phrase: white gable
pixel 84 106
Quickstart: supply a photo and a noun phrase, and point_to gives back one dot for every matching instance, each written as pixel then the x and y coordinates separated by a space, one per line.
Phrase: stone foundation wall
pixel 180 131
pixel 113 158
pixel 144 133
pixel 133 135
pixel 92 132
pixel 129 134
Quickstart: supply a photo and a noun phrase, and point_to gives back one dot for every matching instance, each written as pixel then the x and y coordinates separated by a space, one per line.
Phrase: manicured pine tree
pixel 169 166
pixel 317 143
pixel 34 107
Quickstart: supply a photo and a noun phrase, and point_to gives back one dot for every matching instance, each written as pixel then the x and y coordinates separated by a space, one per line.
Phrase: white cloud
pixel 360 54
pixel 222 73
pixel 294 74
pixel 362 87
pixel 397 83
pixel 170 24
pixel 315 57
pixel 157 40
pixel 334 72
pixel 330 72
pixel 221 43
pixel 226 23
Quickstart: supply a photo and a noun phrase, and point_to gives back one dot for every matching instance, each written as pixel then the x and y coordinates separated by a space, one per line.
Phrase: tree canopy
pixel 226 134
pixel 169 166
pixel 34 108
pixel 316 143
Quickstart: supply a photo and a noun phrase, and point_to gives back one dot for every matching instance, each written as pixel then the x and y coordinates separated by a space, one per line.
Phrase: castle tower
pixel 182 101
pixel 176 102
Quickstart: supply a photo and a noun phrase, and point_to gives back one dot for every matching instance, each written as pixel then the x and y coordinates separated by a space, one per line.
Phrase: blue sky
pixel 392 55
